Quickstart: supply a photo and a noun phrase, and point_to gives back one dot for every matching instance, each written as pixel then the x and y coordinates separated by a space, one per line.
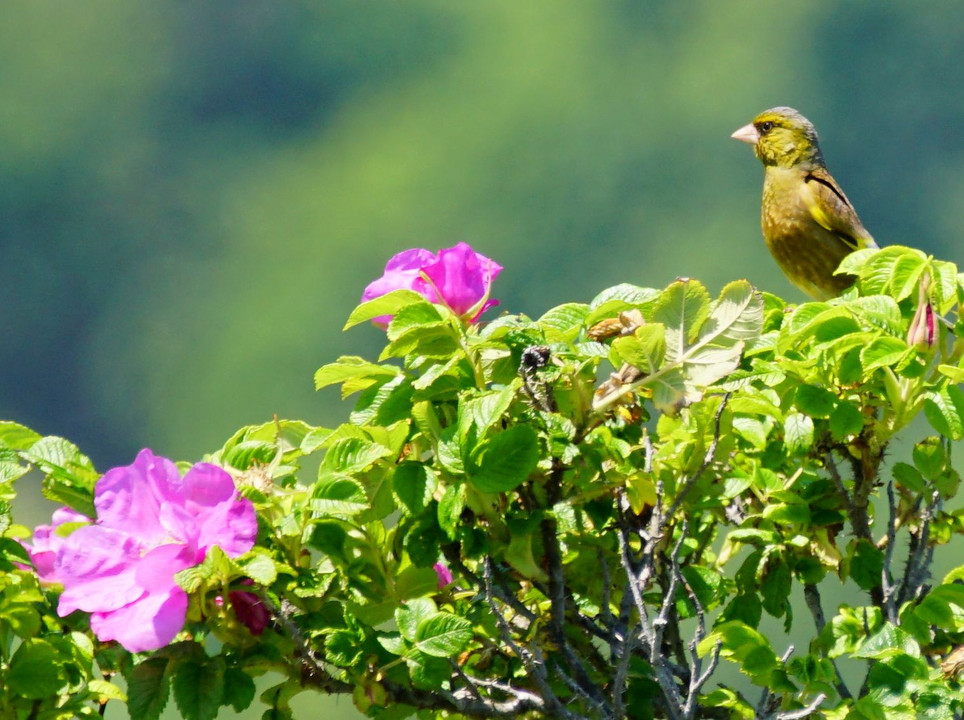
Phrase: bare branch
pixel 802 712
pixel 811 594
pixel 886 576
pixel 536 670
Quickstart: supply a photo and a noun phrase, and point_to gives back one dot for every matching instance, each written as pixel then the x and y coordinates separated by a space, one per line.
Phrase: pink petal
pixel 128 498
pixel 156 570
pixel 148 624
pixel 97 568
pixel 462 277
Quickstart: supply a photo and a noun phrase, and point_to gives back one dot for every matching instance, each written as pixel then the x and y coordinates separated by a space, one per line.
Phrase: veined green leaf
pixel 387 304
pixel 338 496
pixel 504 461
pixel 443 635
pixel 945 411
pixel 645 349
pixel 798 429
pixel 682 309
pixel 630 294
pixel 350 367
pixel 563 322
pixel 882 351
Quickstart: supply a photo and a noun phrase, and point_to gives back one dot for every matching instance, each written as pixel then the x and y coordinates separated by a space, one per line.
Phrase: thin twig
pixel 803 712
pixel 536 670
pixel 886 576
pixel 811 594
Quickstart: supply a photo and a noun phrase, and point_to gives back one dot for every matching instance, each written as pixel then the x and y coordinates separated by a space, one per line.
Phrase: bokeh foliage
pixel 192 195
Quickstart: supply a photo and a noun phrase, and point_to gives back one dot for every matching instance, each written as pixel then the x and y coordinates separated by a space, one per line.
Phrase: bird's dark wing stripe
pixel 833 188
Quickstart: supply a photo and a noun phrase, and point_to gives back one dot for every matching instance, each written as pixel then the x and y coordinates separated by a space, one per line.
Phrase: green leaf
pixel 260 568
pixel 413 317
pixel 817 402
pixel 945 411
pixel 888 642
pixel 443 635
pixel 427 672
pixel 352 454
pixel 483 411
pixel 450 510
pixel 199 686
pixel 798 430
pixel 956 374
pixel 682 308
pixel 387 304
pixel 777 581
pixel 505 460
pixel 930 458
pixel 414 484
pixel 36 671
pixel 338 496
pixel 866 564
pixel 563 322
pixel 239 689
pixel 409 616
pixel 644 349
pixel 148 688
pixel 909 477
pixel 883 351
pixel 845 420
pixel 70 474
pixel 16 436
pixel 350 367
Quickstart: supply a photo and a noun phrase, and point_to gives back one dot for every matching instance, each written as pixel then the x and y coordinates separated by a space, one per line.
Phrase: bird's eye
pixel 765 127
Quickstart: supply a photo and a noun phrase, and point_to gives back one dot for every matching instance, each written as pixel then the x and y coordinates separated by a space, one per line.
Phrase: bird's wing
pixel 831 209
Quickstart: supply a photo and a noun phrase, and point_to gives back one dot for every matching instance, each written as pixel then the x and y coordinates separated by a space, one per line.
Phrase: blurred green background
pixel 193 195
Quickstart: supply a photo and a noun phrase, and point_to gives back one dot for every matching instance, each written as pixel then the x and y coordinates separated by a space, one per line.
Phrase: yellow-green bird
pixel 808 223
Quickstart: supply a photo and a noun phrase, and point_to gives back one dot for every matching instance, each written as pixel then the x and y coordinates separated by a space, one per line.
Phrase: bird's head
pixel 783 137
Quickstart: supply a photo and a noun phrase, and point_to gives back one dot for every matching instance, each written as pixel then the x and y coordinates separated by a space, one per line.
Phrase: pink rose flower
pixel 443 573
pixel 457 277
pixel 151 524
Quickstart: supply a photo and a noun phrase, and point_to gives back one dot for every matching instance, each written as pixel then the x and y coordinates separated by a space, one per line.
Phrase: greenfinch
pixel 808 223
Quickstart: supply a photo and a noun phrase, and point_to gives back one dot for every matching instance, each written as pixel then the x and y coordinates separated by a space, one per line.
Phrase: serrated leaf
pixel 338 496
pixel 414 484
pixel 443 635
pixel 198 687
pixel 260 568
pixel 409 616
pixel 450 510
pixel 682 309
pixel 845 420
pixel 387 304
pixel 563 322
pixel 413 317
pixel 945 411
pixel 148 688
pixel 909 477
pixel 239 689
pixel 798 432
pixel 352 454
pixel 16 436
pixel 630 294
pixel 644 349
pixel 104 690
pixel 882 351
pixel 504 461
pixel 483 411
pixel 350 367
pixel 36 671
pixel 817 402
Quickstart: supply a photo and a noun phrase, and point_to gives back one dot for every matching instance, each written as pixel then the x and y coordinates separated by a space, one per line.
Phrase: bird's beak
pixel 747 134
